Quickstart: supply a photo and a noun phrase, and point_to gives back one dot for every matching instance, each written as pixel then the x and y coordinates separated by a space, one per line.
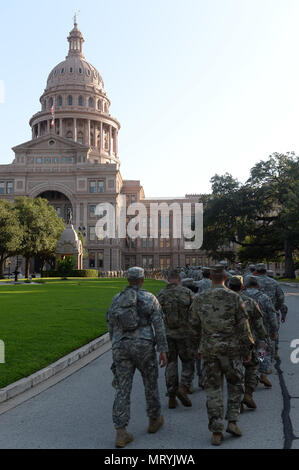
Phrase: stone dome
pixel 69 242
pixel 75 70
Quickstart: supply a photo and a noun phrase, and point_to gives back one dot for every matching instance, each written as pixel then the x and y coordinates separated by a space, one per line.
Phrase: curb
pixel 289 284
pixel 31 381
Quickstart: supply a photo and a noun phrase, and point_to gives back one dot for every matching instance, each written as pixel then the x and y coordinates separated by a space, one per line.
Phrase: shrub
pixel 73 273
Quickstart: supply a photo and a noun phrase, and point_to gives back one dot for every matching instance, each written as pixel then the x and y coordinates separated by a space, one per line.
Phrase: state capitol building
pixel 72 160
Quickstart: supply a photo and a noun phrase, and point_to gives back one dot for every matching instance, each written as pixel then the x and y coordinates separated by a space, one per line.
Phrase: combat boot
pixel 190 390
pixel 233 429
pixel 248 399
pixel 155 424
pixel 123 437
pixel 172 402
pixel 182 395
pixel 276 355
pixel 217 438
pixel 264 380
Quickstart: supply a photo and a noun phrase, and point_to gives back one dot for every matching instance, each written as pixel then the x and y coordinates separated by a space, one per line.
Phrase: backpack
pixel 125 312
pixel 175 304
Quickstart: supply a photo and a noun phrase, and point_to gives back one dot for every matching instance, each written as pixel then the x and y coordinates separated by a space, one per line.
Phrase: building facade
pixel 72 160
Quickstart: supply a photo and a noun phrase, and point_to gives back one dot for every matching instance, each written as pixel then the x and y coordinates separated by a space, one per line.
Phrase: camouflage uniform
pixel 181 341
pixel 259 334
pixel 219 317
pixel 271 287
pixel 269 321
pixel 204 284
pixel 136 349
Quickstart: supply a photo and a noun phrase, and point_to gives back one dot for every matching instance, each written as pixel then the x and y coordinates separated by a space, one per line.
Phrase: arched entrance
pixel 60 202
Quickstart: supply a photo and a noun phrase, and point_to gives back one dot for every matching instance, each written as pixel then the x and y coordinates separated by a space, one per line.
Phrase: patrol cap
pixel 174 274
pixel 135 273
pixel 236 281
pixel 218 269
pixel 206 270
pixel 260 267
pixel 252 280
pixel 252 266
pixel 270 273
pixel 232 271
pixel 188 282
pixel 223 263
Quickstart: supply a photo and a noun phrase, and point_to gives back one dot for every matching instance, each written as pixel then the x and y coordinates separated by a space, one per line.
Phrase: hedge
pixel 74 273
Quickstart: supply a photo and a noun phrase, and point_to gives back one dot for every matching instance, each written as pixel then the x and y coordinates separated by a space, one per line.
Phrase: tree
pixel 10 232
pixel 260 216
pixel 41 228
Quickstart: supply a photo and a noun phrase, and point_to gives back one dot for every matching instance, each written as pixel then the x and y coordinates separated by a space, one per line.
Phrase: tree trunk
pixel 1 268
pixel 289 261
pixel 27 268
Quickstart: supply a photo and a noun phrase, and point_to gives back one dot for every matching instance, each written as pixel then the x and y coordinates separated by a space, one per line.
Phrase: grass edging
pixel 16 388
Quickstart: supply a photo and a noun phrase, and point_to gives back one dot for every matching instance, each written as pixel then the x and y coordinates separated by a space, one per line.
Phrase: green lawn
pixel 41 323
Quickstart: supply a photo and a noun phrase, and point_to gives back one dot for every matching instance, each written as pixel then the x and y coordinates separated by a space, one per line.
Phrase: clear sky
pixel 199 86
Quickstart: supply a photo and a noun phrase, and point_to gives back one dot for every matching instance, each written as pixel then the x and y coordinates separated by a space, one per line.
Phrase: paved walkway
pixel 76 413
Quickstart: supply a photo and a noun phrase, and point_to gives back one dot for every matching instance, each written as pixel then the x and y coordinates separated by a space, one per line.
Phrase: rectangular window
pixel 58 210
pixel 168 243
pixel 2 187
pixel 132 199
pixel 55 160
pixel 92 210
pixel 100 259
pixel 143 242
pixel 39 160
pixel 92 187
pixel 162 260
pixel 64 160
pixel 161 242
pixel 187 260
pixel 100 186
pixel 48 161
pixel 92 260
pixel 92 234
pixel 150 243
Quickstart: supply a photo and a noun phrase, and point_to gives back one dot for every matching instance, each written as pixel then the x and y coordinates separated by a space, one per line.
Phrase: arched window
pixel 99 105
pixel 80 101
pixel 70 101
pixel 69 135
pixel 59 100
pixel 51 102
pixel 80 137
pixel 105 108
pixel 90 103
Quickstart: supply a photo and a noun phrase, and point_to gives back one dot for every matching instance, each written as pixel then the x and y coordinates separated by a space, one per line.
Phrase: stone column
pixel 38 132
pixel 75 130
pixel 110 140
pixel 88 130
pixel 60 127
pixel 48 126
pixel 102 137
pixel 77 215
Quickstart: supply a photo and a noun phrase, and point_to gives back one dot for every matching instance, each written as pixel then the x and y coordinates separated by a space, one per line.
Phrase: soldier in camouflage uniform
pixel 203 285
pixel 206 282
pixel 219 317
pixel 271 287
pixel 175 301
pixel 252 290
pixel 259 335
pixel 136 325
